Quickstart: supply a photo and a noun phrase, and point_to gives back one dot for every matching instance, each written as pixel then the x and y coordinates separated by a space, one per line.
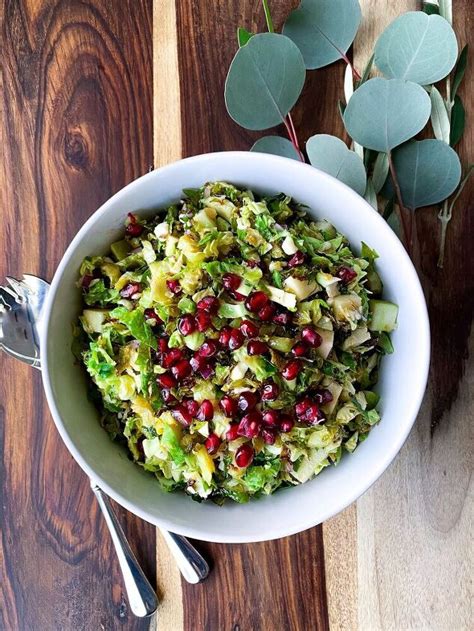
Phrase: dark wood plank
pixel 77 108
pixel 258 586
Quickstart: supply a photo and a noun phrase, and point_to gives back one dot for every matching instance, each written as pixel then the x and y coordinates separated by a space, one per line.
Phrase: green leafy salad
pixel 233 343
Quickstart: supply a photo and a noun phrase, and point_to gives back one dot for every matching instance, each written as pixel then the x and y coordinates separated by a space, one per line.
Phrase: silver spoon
pixel 21 310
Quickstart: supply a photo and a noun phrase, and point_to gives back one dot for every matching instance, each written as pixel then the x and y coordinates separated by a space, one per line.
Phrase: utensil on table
pixel 21 305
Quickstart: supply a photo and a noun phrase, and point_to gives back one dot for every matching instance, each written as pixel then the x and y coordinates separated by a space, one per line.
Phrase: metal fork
pixel 21 310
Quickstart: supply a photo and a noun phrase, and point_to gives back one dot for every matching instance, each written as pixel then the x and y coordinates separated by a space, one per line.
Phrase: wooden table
pixel 95 94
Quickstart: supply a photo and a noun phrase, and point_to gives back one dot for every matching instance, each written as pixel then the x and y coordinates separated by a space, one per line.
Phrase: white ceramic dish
pixel 403 375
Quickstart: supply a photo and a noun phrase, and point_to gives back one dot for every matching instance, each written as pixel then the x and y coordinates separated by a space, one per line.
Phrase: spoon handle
pixel 141 595
pixel 191 564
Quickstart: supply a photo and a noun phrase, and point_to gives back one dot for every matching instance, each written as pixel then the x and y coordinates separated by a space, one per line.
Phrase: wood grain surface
pixel 79 122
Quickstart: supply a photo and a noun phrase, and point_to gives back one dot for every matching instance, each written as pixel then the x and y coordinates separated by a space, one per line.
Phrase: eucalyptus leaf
pixel 388 208
pixel 430 8
pixel 370 194
pixel 277 146
pixel 395 224
pixel 446 10
pixel 428 171
pixel 458 121
pixel 264 81
pixel 243 36
pixel 323 30
pixel 459 71
pixel 439 116
pixel 417 47
pixel 331 155
pixel 380 172
pixel 383 113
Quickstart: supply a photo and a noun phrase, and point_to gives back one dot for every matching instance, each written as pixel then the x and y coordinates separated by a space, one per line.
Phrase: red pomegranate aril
pixel 207 370
pixel 197 362
pixel 256 301
pixel 174 286
pixel 312 414
pixel 172 357
pixel 252 263
pixel 209 304
pixel 283 318
pixel 182 415
pixel 270 392
pixel 167 397
pixel 212 443
pixel 130 290
pixel 237 296
pixel 206 411
pixel 236 339
pixel 228 405
pixel 247 401
pixel 244 456
pixel 249 329
pixel 233 432
pixel 181 370
pixel 166 380
pixel 301 407
pixel 163 344
pixel 87 280
pixel 270 417
pixel 134 229
pixel 204 321
pixel 250 425
pixel 300 349
pixel 150 314
pixel 323 396
pixel 187 324
pixel 255 347
pixel 231 281
pixel 311 337
pixel 291 370
pixel 296 259
pixel 268 435
pixel 208 349
pixel 286 423
pixel 346 274
pixel 192 406
pixel 224 336
pixel 267 312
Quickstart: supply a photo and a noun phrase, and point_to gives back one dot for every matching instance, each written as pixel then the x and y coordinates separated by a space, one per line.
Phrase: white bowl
pixel 403 374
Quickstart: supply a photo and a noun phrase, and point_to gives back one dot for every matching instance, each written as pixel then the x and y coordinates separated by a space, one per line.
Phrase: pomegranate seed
pixel 270 417
pixel 207 370
pixel 252 263
pixel 286 423
pixel 300 349
pixel 236 339
pixel 267 312
pixel 255 347
pixel 346 274
pixel 244 456
pixel 301 407
pixel 224 336
pixel 163 344
pixel 268 435
pixel 238 297
pixel 209 304
pixel 130 289
pixel 249 329
pixel 231 281
pixel 181 370
pixel 212 443
pixel 283 318
pixel 166 380
pixel 174 286
pixel 323 396
pixel 203 320
pixel 172 357
pixel 168 398
pixel 256 301
pixel 182 415
pixel 270 392
pixel 87 280
pixel 192 406
pixel 150 314
pixel 296 259
pixel 131 218
pixel 134 229
pixel 312 414
pixel 291 370
pixel 187 324
pixel 228 405
pixel 208 349
pixel 233 432
pixel 197 362
pixel 206 411
pixel 250 424
pixel 247 401
pixel 311 337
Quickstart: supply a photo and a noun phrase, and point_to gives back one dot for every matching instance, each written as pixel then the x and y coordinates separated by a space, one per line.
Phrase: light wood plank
pixel 167 147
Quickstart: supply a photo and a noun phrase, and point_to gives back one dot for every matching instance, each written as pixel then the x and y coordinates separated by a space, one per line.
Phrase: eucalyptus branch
pixel 268 17
pixel 355 74
pixel 290 128
pixel 406 230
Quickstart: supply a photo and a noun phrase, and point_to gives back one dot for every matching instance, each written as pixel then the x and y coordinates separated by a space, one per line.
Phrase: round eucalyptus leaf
pixel 428 171
pixel 277 146
pixel 323 30
pixel 383 113
pixel 417 47
pixel 330 154
pixel 264 81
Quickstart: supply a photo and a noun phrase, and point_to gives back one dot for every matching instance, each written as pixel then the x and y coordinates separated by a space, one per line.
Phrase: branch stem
pixel 268 17
pixel 290 128
pixel 355 74
pixel 407 232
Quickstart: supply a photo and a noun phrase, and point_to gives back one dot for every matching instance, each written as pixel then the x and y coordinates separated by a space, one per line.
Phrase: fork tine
pixel 8 297
pixel 17 287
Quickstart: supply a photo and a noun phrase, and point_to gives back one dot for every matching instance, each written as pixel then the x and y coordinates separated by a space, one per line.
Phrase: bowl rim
pixel 278 531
